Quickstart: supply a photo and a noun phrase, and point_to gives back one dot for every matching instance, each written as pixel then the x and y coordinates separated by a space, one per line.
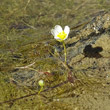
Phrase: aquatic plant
pixel 61 35
pixel 41 84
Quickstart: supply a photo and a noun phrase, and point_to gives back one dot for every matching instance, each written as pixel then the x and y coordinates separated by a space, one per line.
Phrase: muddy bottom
pixel 29 53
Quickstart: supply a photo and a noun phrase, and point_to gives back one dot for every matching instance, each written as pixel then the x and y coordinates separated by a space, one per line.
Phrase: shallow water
pixel 25 58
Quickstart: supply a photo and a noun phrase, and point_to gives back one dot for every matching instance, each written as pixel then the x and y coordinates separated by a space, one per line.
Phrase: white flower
pixel 60 34
pixel 41 83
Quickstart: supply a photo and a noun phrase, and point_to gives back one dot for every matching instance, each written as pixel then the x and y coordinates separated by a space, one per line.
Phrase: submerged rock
pixel 92 41
pixel 88 50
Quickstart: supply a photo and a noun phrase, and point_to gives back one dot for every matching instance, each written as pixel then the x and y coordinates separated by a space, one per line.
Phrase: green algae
pixel 25 38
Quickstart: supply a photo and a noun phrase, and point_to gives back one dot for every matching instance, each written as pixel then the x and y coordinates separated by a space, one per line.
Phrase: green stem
pixel 65 53
pixel 40 90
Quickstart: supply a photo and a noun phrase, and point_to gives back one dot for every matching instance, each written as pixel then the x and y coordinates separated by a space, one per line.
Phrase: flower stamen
pixel 62 35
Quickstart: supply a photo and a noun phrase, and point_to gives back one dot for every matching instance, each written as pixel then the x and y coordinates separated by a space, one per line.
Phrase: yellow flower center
pixel 62 35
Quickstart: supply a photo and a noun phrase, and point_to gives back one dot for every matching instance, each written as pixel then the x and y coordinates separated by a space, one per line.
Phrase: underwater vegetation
pixel 54 69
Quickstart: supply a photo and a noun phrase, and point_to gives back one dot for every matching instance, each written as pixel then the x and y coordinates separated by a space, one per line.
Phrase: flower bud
pixel 41 83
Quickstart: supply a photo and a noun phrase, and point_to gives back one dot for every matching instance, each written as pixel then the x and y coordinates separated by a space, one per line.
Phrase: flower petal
pixel 66 37
pixel 58 28
pixel 67 29
pixel 57 38
pixel 53 32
